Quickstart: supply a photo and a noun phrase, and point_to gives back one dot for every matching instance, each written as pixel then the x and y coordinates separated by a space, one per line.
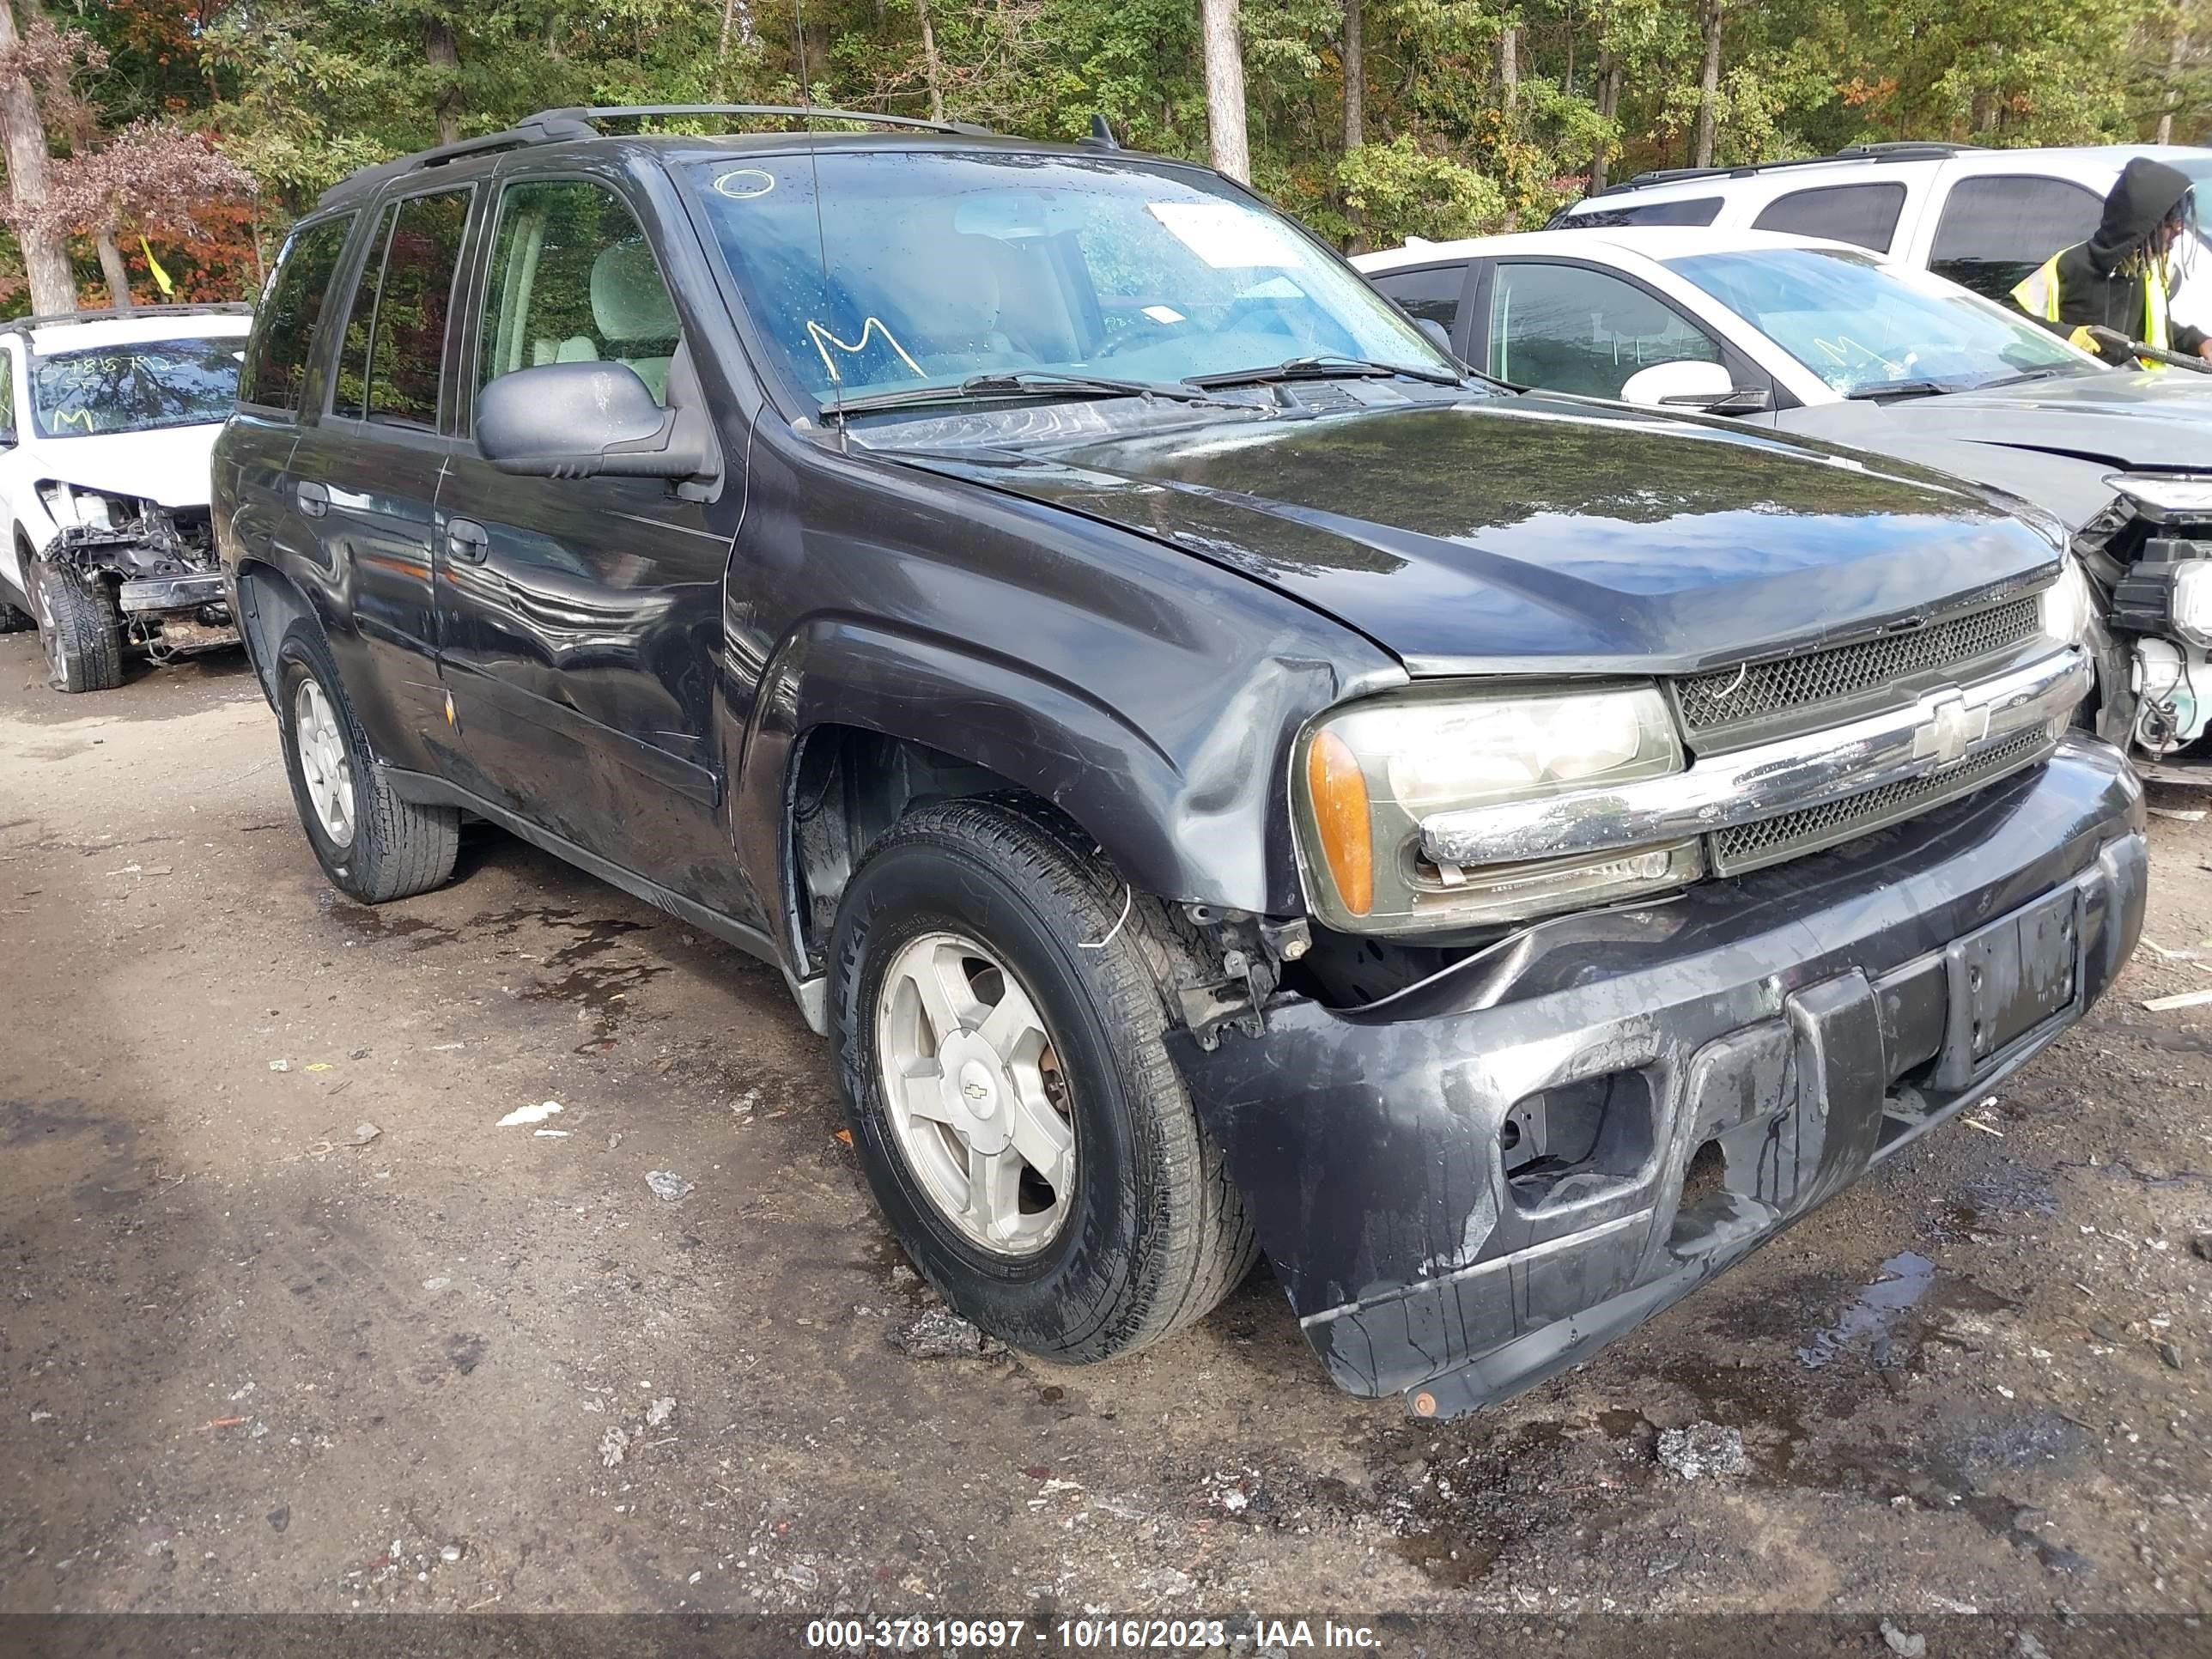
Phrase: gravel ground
pixel 293 1323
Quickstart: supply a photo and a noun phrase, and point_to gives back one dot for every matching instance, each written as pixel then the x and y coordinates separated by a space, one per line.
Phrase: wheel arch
pixel 268 602
pixel 854 723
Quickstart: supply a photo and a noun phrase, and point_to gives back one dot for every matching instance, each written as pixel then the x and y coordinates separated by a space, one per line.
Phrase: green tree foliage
pixel 1478 114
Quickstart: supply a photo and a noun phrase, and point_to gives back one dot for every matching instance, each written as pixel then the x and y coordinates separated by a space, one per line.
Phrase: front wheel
pixel 998 1013
pixel 80 628
pixel 373 846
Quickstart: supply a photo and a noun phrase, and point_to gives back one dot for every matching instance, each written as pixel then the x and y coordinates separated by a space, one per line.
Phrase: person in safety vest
pixel 2122 276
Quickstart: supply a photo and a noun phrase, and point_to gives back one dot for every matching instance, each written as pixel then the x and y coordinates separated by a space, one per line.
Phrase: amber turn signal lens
pixel 1338 790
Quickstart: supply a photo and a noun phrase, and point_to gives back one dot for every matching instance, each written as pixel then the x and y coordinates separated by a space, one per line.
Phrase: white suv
pixel 1983 218
pixel 107 420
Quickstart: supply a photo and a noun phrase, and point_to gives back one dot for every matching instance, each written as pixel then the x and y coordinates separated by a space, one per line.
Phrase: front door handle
pixel 314 499
pixel 467 542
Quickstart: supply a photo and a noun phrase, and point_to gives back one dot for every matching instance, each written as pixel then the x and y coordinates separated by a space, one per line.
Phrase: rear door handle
pixel 314 499
pixel 467 542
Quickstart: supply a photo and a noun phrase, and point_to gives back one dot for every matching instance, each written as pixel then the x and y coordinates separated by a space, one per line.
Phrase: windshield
pixel 926 270
pixel 1861 325
pixel 135 387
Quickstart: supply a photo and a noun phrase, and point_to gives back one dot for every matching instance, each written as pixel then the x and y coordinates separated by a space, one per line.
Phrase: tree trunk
pixel 2177 55
pixel 445 55
pixel 1355 112
pixel 1709 86
pixel 1609 101
pixel 930 66
pixel 112 268
pixel 23 131
pixel 1509 68
pixel 1355 79
pixel 1227 142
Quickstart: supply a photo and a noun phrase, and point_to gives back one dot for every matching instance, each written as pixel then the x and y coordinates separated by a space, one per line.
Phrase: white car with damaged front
pixel 106 425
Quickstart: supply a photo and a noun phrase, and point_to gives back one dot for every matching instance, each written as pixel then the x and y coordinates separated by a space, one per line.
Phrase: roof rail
pixel 553 127
pixel 1899 149
pixel 586 117
pixel 116 314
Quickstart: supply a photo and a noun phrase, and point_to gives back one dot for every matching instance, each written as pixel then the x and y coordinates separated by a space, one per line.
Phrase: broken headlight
pixel 2190 605
pixel 93 509
pixel 1368 773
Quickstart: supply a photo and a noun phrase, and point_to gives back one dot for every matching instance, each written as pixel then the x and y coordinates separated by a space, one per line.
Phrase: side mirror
pixel 1438 335
pixel 579 421
pixel 1690 385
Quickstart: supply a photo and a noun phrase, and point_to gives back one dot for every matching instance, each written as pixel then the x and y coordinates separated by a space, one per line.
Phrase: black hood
pixel 1530 534
pixel 2146 193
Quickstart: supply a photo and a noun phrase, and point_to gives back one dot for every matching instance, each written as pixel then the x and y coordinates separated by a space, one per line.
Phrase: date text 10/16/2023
pixel 1079 1635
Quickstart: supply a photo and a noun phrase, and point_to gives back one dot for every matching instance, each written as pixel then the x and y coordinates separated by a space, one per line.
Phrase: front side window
pixel 1862 214
pixel 393 360
pixel 1994 230
pixel 1567 328
pixel 573 281
pixel 1429 295
pixel 1864 327
pixel 275 376
pixel 136 387
pixel 911 271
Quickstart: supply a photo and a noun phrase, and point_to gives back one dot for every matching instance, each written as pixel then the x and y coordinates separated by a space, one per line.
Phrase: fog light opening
pixel 1577 1140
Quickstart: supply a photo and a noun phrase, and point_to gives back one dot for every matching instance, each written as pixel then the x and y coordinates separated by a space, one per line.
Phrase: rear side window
pixel 1690 210
pixel 1862 214
pixel 573 281
pixel 7 399
pixel 1430 296
pixel 1994 230
pixel 276 373
pixel 395 342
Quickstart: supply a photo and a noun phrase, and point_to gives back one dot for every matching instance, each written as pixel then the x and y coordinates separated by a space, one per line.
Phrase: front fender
pixel 1201 815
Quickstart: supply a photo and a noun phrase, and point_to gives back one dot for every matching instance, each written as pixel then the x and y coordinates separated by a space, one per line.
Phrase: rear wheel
pixel 80 628
pixel 373 846
pixel 998 1014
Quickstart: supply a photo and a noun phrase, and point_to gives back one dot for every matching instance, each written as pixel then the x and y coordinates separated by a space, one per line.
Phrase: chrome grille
pixel 1737 697
pixel 1750 845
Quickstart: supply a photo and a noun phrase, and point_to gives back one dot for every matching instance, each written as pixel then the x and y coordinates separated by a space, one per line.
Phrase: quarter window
pixel 573 281
pixel 1567 328
pixel 1994 230
pixel 276 372
pixel 1689 210
pixel 1430 295
pixel 1865 214
pixel 394 353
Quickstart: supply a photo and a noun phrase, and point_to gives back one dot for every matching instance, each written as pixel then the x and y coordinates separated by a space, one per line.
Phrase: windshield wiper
pixel 1905 389
pixel 1322 366
pixel 1022 383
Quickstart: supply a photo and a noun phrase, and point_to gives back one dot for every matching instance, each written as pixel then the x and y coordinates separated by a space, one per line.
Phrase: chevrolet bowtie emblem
pixel 1950 730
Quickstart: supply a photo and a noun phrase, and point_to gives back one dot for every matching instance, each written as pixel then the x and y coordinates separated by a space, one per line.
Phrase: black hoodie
pixel 2092 290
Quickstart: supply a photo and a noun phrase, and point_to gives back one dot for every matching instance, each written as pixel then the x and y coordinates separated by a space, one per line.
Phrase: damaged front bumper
pixel 1474 1183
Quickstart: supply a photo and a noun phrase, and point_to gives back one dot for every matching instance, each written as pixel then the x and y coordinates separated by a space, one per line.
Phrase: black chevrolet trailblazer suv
pixel 1224 780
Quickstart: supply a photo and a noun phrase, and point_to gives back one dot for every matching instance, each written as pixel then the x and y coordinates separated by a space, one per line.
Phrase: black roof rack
pixel 113 313
pixel 553 127
pixel 1908 150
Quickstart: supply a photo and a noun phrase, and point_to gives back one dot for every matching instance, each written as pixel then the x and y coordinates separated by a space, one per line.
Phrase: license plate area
pixel 2007 979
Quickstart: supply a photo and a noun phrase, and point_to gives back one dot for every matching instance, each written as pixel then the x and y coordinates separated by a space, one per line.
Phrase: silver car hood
pixel 2052 442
